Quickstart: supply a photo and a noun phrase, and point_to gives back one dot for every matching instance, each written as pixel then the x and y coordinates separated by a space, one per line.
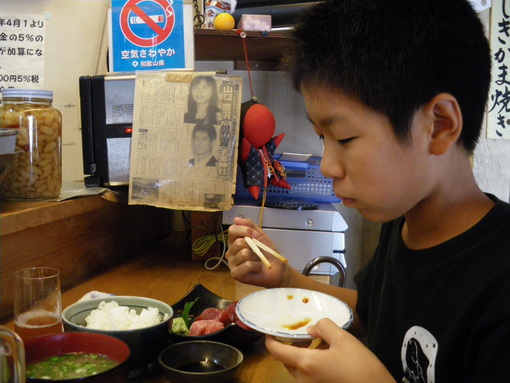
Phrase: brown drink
pixel 36 323
pixel 37 302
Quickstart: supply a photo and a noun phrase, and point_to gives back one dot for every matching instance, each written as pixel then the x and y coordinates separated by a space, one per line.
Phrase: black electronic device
pixel 107 120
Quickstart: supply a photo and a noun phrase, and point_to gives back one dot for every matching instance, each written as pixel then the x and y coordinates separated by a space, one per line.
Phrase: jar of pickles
pixel 37 169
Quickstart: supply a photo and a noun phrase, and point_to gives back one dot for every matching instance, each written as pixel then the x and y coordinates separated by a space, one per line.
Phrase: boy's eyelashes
pixel 346 140
pixel 343 141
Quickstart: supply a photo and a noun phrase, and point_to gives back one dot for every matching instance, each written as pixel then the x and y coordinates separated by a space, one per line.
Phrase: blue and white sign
pixel 150 35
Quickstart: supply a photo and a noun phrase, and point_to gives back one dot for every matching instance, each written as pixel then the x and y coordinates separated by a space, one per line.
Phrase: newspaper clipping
pixel 185 139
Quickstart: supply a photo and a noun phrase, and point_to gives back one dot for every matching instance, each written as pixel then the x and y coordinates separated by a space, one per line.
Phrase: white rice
pixel 111 316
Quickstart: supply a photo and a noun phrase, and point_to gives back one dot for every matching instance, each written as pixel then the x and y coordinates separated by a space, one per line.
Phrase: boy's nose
pixel 331 166
pixel 325 169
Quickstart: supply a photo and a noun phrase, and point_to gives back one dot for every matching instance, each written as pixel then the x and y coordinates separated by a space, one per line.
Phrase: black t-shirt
pixel 441 314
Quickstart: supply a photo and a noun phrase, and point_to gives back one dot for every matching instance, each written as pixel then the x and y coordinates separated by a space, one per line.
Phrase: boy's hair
pixel 394 56
pixel 209 129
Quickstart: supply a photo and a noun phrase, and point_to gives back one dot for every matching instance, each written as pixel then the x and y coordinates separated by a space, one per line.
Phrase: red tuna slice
pixel 231 310
pixel 204 327
pixel 242 325
pixel 214 314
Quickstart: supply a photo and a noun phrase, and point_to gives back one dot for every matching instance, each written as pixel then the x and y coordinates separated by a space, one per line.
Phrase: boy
pixel 397 91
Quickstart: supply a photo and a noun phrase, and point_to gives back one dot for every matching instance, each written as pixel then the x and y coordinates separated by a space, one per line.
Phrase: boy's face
pixel 372 172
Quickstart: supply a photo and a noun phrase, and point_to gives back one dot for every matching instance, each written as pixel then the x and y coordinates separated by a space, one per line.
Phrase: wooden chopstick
pixel 315 343
pixel 257 251
pixel 269 250
pixel 256 245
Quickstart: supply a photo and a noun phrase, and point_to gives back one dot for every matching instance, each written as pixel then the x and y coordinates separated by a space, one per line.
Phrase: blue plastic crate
pixel 307 183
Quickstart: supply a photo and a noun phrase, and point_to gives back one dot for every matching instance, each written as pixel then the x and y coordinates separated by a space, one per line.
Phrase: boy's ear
pixel 447 123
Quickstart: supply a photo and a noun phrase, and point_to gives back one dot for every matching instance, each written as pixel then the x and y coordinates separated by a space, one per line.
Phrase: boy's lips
pixel 347 201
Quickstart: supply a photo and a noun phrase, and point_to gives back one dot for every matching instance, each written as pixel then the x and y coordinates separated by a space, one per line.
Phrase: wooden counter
pixel 78 236
pixel 166 272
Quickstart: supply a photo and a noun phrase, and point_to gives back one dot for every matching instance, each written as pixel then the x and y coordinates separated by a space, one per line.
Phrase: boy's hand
pixel 346 360
pixel 245 266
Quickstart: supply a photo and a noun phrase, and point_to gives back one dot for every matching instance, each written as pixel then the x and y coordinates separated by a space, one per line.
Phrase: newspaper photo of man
pixel 203 140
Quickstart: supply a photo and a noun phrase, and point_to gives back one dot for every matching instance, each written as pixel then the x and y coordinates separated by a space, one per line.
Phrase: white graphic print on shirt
pixel 419 351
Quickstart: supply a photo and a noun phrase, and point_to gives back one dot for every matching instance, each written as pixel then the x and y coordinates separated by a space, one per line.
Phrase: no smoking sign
pixel 151 35
pixel 147 23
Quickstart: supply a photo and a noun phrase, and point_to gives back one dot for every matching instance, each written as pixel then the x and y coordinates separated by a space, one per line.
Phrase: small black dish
pixel 232 334
pixel 200 362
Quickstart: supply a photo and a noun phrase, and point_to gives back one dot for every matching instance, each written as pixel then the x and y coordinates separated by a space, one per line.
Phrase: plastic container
pixel 306 180
pixel 36 172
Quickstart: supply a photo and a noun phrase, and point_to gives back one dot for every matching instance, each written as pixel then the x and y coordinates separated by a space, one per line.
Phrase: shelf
pixel 18 216
pixel 263 48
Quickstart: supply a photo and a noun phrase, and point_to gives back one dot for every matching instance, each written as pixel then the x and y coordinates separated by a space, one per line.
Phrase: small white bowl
pixel 285 313
pixel 145 343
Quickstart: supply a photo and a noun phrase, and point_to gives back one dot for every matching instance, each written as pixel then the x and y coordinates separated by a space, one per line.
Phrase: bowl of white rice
pixel 140 322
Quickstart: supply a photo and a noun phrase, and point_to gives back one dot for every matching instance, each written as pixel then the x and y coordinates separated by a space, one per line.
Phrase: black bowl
pixel 200 362
pixel 231 334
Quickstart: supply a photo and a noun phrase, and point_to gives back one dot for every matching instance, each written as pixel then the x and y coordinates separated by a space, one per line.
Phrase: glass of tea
pixel 37 302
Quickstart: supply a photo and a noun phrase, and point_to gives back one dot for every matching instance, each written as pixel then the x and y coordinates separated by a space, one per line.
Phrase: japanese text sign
pixel 499 98
pixel 151 35
pixel 22 51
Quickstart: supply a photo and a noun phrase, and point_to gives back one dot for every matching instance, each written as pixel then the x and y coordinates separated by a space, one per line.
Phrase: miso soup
pixel 70 366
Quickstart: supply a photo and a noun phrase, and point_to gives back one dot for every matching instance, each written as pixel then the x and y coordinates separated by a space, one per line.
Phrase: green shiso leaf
pixel 185 311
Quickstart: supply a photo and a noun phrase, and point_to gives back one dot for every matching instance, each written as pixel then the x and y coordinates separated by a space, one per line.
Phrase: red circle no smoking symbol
pixel 157 34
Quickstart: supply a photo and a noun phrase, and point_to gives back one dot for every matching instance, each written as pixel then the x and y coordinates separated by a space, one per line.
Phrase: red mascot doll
pixel 257 149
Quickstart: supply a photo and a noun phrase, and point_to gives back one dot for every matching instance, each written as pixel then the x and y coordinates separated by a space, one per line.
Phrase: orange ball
pixel 224 22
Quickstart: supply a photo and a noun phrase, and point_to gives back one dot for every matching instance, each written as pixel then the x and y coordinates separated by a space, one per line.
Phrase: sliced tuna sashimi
pixel 231 311
pixel 242 325
pixel 204 327
pixel 215 314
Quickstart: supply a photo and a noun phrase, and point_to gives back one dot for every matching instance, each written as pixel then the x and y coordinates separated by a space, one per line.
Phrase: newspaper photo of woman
pixel 202 101
pixel 203 140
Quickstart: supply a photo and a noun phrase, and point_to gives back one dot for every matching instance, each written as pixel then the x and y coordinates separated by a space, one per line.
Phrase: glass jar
pixel 37 169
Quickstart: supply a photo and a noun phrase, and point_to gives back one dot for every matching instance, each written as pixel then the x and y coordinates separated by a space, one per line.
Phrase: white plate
pixel 286 312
